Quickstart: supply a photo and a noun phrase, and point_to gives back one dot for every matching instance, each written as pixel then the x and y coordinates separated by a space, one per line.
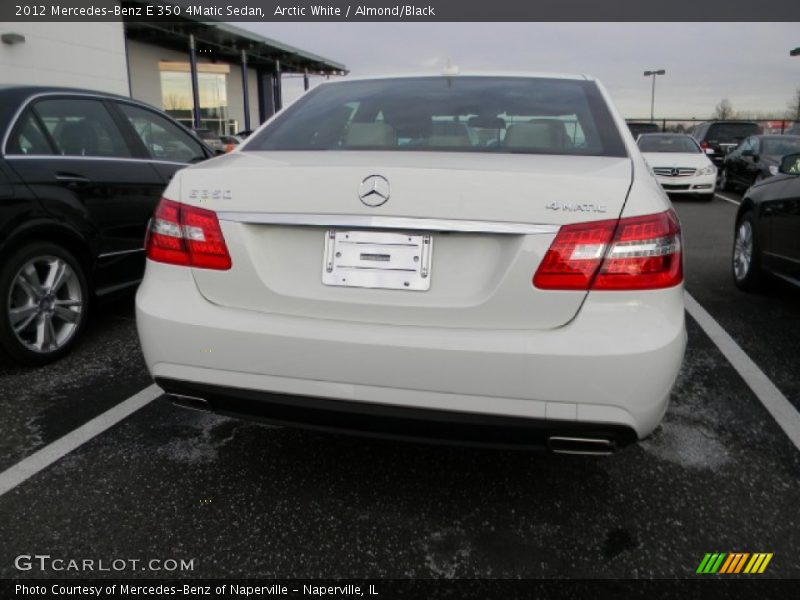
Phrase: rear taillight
pixel 635 253
pixel 704 145
pixel 180 234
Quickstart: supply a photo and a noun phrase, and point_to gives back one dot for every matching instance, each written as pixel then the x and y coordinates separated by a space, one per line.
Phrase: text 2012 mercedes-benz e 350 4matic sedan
pixel 479 259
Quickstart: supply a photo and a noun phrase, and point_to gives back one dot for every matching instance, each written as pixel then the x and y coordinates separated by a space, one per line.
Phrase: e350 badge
pixel 204 195
pixel 576 207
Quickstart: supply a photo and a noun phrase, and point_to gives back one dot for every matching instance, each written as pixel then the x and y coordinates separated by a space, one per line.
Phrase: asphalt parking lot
pixel 242 499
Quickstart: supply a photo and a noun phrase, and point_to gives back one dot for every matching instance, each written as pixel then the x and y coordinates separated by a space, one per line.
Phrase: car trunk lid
pixel 489 219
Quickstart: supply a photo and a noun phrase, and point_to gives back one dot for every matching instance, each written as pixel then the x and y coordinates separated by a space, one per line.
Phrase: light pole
pixel 653 92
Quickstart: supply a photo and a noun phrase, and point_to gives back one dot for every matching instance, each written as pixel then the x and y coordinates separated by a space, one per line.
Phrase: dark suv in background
pixel 717 138
pixel 80 175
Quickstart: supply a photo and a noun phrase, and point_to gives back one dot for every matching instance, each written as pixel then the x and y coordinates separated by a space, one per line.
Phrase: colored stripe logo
pixel 734 562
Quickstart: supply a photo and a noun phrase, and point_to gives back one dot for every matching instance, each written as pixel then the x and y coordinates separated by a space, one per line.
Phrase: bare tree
pixel 723 110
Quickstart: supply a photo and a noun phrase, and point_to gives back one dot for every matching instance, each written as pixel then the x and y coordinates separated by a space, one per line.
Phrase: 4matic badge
pixel 576 207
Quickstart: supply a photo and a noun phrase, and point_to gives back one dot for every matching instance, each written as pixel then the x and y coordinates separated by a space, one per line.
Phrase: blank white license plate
pixel 377 259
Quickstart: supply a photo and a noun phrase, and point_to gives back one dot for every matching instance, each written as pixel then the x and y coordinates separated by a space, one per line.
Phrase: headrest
pixel 370 134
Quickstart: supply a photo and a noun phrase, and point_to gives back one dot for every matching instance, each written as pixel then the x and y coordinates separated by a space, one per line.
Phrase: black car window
pixel 28 137
pixel 81 127
pixel 163 139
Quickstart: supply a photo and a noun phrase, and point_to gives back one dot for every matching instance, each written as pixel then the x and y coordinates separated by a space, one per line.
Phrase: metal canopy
pixel 225 42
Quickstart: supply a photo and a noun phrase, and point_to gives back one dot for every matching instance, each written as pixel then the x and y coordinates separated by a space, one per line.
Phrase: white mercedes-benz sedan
pixel 679 164
pixel 474 259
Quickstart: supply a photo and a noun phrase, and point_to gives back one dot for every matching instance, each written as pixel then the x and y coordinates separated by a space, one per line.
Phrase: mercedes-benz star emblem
pixel 674 172
pixel 374 190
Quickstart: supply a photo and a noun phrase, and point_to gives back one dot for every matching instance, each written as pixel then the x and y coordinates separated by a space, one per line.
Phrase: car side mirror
pixel 790 164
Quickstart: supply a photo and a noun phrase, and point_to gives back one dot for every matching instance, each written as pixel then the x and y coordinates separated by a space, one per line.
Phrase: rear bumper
pixel 612 366
pixel 402 422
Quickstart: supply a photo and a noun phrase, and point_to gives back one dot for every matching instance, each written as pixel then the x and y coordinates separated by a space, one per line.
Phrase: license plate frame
pixel 378 259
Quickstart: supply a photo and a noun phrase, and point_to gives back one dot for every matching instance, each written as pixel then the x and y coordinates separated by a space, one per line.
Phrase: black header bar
pixel 402 10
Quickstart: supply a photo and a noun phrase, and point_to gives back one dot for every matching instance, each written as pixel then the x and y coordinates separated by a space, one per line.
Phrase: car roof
pixel 32 90
pixel 664 134
pixel 488 74
pixel 730 122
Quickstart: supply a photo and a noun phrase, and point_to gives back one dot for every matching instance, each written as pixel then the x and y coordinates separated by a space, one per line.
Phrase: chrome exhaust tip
pixel 190 402
pixel 580 445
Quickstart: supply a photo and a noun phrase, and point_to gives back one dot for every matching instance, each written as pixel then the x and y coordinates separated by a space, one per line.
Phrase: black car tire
pixel 724 182
pixel 747 274
pixel 50 312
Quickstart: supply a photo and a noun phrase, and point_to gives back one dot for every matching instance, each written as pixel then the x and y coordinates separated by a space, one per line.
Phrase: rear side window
pixel 81 127
pixel 458 114
pixel 163 139
pixel 728 133
pixel 28 137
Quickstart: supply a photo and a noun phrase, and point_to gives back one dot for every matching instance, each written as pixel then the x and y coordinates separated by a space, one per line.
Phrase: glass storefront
pixel 176 95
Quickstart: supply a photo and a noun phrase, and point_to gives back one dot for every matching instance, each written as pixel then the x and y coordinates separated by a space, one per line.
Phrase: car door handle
pixel 71 178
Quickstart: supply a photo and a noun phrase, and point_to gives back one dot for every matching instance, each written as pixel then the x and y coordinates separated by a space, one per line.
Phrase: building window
pixel 176 94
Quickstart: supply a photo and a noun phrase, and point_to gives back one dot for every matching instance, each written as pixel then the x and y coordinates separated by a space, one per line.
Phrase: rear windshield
pixel 458 114
pixel 780 146
pixel 667 143
pixel 727 133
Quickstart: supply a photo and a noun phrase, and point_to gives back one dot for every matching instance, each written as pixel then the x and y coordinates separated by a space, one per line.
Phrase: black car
pixel 637 129
pixel 720 137
pixel 767 233
pixel 80 175
pixel 756 158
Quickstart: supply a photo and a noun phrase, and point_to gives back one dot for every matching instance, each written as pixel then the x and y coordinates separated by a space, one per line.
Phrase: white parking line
pixel 770 396
pixel 731 200
pixel 43 458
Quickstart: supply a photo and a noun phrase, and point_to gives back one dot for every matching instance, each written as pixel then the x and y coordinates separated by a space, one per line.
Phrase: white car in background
pixel 359 266
pixel 679 164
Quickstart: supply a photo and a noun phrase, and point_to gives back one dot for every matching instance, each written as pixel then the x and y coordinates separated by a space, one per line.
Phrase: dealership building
pixel 205 74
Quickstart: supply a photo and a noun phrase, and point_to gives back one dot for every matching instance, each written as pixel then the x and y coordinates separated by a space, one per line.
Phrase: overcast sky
pixel 748 63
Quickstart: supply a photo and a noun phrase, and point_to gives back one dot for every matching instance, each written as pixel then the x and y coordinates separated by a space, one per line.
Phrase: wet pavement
pixel 242 499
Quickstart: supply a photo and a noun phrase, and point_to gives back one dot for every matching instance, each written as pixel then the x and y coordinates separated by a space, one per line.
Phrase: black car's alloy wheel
pixel 746 261
pixel 43 303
